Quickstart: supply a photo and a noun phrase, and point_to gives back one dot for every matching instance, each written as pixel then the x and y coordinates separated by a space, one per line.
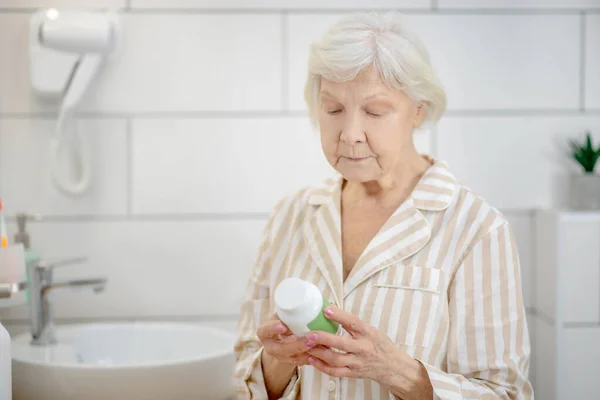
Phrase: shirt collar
pixel 434 191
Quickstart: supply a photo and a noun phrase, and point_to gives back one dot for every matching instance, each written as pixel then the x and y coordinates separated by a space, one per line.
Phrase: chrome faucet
pixel 40 284
pixel 40 305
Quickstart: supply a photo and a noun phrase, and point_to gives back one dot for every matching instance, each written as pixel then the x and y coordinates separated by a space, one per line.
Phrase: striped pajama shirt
pixel 441 278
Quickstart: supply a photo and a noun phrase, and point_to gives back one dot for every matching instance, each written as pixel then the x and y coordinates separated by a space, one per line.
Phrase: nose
pixel 352 130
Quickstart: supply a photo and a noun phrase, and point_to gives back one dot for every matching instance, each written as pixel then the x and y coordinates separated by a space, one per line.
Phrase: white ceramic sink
pixel 129 361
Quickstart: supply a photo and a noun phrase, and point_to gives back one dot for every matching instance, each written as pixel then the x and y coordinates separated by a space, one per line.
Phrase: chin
pixel 358 175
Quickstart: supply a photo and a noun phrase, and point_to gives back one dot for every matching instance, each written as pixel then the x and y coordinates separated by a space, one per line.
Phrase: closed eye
pixel 334 112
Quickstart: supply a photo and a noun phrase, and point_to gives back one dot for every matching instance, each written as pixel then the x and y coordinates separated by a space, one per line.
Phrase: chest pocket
pixel 411 299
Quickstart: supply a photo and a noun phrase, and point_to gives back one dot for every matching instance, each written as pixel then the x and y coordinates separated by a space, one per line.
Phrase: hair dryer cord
pixel 83 159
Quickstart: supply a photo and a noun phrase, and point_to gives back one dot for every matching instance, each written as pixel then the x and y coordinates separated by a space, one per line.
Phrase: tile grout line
pixel 582 61
pixel 239 216
pixel 340 10
pixel 431 10
pixel 284 62
pixel 224 216
pixel 159 114
pixel 129 167
pixel 466 113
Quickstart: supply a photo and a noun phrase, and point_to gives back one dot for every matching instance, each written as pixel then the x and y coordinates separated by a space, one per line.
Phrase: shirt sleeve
pixel 488 345
pixel 255 309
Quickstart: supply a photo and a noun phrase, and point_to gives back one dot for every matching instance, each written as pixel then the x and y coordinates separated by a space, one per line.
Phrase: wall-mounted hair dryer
pixel 66 51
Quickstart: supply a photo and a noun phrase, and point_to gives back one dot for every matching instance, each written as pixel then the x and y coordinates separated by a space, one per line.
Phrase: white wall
pixel 198 127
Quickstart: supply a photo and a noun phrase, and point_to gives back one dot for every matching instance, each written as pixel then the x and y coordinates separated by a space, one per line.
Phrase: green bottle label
pixel 322 323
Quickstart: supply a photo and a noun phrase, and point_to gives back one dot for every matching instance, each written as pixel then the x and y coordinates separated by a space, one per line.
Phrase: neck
pixel 397 184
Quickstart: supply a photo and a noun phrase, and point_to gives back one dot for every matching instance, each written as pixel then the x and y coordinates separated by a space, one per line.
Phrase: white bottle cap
pixel 293 296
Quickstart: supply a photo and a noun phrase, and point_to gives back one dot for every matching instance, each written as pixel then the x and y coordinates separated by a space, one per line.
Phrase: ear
pixel 420 114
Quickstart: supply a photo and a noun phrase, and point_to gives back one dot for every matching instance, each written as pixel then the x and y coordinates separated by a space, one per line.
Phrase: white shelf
pixel 567 300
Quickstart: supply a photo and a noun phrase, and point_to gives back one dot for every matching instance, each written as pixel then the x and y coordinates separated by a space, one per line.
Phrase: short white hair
pixel 383 42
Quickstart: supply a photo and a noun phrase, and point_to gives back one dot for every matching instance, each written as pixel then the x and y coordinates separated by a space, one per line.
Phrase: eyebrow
pixel 369 97
pixel 377 94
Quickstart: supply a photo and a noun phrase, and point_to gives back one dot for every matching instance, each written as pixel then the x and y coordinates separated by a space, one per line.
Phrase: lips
pixel 356 158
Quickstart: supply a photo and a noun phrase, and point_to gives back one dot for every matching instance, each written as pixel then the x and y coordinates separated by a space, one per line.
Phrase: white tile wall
pixel 522 157
pixel 211 165
pixel 15 93
pixel 518 4
pixel 511 51
pixel 194 62
pixel 167 63
pixel 154 267
pixel 592 61
pixel 25 178
pixel 62 3
pixel 281 4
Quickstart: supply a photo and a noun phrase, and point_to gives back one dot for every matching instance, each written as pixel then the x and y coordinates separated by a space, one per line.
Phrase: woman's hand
pixel 367 354
pixel 282 353
pixel 281 344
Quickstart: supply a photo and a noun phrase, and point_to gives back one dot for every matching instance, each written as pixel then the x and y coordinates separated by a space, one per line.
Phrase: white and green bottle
pixel 299 304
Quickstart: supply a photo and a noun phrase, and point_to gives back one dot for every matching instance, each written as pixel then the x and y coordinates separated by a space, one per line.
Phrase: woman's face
pixel 366 127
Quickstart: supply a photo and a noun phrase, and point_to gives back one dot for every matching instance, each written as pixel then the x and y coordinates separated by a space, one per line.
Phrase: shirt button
pixel 331 386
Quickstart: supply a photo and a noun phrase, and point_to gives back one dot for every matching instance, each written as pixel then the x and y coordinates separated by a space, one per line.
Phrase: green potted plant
pixel 585 187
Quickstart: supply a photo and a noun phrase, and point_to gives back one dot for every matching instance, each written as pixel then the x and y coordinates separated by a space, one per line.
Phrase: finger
pixel 342 372
pixel 349 321
pixel 271 329
pixel 287 337
pixel 282 328
pixel 287 349
pixel 302 359
pixel 327 339
pixel 333 358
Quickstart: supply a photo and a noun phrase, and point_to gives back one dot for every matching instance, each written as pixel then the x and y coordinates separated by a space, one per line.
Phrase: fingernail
pixel 312 337
pixel 311 360
pixel 329 311
pixel 280 328
pixel 309 344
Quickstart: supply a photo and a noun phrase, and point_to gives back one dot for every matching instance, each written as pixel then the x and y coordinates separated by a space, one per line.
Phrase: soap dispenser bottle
pixel 22 236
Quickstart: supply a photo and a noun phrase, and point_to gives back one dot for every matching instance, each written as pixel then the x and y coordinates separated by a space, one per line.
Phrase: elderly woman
pixel 423 274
